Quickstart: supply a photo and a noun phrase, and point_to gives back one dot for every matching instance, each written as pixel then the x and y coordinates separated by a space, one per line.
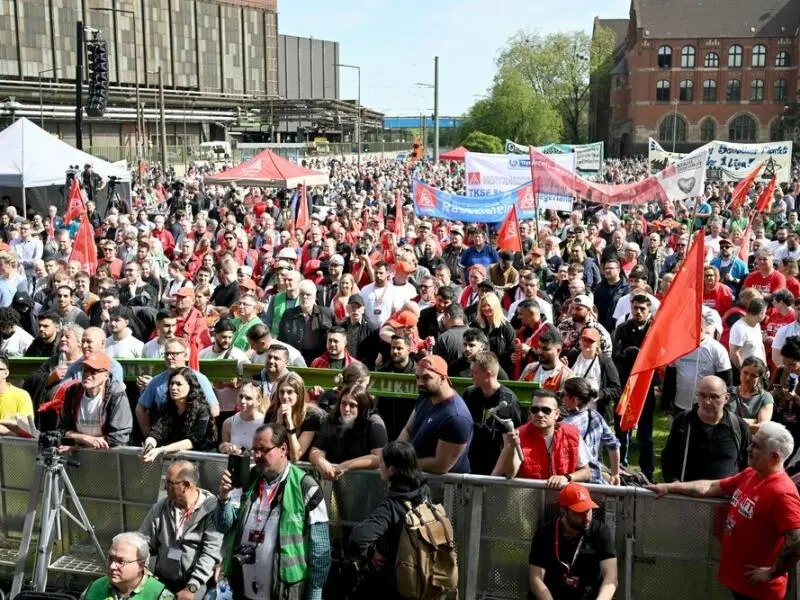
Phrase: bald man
pixel 182 533
pixel 92 342
pixel 717 438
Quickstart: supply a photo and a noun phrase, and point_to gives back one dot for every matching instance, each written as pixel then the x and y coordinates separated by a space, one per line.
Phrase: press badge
pixel 572 582
pixel 174 554
pixel 256 537
pixel 377 312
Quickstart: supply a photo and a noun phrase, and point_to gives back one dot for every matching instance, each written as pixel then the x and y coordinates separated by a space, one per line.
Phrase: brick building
pixel 688 72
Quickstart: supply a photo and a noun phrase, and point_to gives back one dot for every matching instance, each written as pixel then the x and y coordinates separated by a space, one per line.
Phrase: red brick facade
pixel 636 112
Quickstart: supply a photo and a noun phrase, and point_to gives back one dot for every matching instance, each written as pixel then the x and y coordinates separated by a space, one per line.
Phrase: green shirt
pixel 149 588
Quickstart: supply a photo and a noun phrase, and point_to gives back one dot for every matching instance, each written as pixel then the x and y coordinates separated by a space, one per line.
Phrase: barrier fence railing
pixel 667 548
pixel 389 385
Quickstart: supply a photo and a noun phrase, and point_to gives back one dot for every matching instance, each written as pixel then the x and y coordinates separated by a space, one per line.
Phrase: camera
pixel 245 555
pixel 360 250
pixel 50 439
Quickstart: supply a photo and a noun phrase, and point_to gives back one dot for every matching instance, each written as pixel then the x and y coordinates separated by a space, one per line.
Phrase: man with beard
pixel 451 255
pixel 450 343
pixel 306 326
pixel 223 349
pixel 791 250
pixel 474 341
pixel 488 394
pixel 135 292
pixel 329 286
pixel 399 353
pixel 549 372
pixel 732 269
pixel 282 514
pixel 45 343
pixel 181 528
pixel 430 318
pixel 275 367
pixel 765 278
pixel 440 427
pixel 608 293
pixel 579 538
pixel 362 338
pixel 443 278
pixel 166 323
pixel 336 355
pixel 65 308
pixel 581 316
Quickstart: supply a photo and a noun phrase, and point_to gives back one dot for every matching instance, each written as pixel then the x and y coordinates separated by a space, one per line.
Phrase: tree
pixel 791 122
pixel 514 111
pixel 559 68
pixel 477 141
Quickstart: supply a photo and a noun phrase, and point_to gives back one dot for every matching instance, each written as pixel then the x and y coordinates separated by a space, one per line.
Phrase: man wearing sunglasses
pixel 549 450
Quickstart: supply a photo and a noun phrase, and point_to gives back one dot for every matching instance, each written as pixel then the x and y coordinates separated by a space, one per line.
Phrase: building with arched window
pixel 725 78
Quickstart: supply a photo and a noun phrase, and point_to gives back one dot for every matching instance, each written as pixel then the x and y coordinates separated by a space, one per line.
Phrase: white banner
pixel 728 161
pixel 490 174
pixel 588 157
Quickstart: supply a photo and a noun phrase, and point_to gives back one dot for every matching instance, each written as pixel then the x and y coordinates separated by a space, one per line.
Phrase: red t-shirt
pixel 766 285
pixel 793 286
pixel 761 510
pixel 720 298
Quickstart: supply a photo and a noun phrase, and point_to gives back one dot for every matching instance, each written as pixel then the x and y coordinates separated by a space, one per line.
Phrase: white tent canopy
pixel 31 157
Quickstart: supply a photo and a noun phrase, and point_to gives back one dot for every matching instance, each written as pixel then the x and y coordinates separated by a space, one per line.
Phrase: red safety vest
pixel 537 463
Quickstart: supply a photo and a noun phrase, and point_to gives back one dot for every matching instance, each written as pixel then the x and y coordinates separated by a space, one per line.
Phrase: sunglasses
pixel 545 410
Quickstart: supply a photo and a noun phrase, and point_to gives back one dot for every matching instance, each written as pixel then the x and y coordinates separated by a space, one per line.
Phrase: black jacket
pixel 428 323
pixel 146 295
pixel 292 330
pixel 626 342
pixel 450 344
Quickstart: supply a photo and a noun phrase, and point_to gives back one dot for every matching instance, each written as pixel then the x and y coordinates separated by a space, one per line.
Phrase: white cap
pixel 287 253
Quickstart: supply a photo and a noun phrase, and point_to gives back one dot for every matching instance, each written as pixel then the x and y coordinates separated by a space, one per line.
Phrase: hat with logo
pixel 576 498
pixel 582 300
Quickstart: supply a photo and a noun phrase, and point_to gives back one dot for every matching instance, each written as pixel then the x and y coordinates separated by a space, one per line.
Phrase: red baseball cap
pixel 576 498
pixel 248 284
pixel 404 318
pixel 98 362
pixel 436 364
pixel 185 291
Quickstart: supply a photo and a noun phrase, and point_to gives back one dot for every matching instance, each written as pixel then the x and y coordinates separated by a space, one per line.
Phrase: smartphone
pixel 239 468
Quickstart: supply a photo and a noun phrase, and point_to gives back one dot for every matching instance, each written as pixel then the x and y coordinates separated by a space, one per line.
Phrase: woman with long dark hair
pixel 184 423
pixel 376 539
pixel 750 399
pixel 289 406
pixel 351 437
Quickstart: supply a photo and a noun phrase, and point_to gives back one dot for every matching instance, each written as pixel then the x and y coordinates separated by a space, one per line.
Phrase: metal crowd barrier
pixel 667 549
pixel 387 385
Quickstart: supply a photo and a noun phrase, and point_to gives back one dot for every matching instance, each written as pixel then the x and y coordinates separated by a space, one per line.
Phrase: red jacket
pixel 323 362
pixel 536 463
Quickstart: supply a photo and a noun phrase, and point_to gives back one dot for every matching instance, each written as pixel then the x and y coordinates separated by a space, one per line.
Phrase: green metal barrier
pixel 386 385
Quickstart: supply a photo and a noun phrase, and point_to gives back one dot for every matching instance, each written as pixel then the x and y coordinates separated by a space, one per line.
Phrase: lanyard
pixel 569 566
pixel 182 520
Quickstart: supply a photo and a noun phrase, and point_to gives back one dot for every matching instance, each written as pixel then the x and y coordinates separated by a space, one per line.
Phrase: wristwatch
pixel 292 430
pixel 568 477
pixel 192 587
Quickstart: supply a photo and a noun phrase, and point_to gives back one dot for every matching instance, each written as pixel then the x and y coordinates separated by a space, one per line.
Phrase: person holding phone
pixel 290 407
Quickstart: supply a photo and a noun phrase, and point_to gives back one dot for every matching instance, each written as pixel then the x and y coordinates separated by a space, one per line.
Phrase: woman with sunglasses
pixel 543 448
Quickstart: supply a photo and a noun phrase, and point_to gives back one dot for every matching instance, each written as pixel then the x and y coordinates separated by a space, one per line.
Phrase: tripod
pixel 52 480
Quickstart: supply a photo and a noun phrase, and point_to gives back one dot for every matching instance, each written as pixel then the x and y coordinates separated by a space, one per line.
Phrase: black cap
pixel 486 285
pixel 356 299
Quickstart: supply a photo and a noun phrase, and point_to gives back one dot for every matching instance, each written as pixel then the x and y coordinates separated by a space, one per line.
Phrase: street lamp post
pixel 163 125
pixel 674 123
pixel 435 87
pixel 55 72
pixel 358 108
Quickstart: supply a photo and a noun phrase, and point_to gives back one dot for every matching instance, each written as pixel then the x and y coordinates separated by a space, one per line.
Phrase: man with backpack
pixel 708 441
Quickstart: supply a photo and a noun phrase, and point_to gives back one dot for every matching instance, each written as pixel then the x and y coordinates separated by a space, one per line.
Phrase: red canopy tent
pixel 454 154
pixel 267 169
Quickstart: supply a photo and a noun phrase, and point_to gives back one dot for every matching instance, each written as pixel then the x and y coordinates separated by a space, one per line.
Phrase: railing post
pixel 471 561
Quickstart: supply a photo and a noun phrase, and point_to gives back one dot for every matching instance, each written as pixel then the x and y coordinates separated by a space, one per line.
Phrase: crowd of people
pixel 224 273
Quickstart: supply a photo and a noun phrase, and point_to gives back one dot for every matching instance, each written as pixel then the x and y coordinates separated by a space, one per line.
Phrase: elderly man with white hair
pixel 126 575
pixel 761 534
pixel 306 325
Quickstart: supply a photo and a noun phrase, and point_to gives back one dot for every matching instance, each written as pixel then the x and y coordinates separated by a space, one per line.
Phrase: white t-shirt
pixel 16 344
pixel 544 306
pixel 258 576
pixel 88 421
pixel 784 252
pixel 708 359
pixel 153 349
pixel 749 339
pixel 622 311
pixel 379 304
pixel 784 332
pixel 589 369
pixel 127 347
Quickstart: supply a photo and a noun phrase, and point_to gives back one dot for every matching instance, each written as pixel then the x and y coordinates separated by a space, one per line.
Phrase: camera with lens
pixel 245 555
pixel 360 251
pixel 50 439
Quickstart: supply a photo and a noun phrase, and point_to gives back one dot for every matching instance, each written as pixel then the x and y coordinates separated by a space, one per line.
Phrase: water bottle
pixel 791 382
pixel 62 359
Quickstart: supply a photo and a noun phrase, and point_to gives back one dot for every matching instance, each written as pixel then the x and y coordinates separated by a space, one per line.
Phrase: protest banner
pixel 491 174
pixel 588 157
pixel 433 203
pixel 729 161
pixel 684 179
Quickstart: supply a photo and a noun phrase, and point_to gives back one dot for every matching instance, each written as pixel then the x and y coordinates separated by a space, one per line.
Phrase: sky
pixel 394 43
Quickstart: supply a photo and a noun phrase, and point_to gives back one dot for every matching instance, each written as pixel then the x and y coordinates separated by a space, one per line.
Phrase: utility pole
pixel 163 118
pixel 79 88
pixel 358 113
pixel 435 110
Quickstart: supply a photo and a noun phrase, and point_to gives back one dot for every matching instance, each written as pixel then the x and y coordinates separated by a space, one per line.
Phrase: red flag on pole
pixel 398 216
pixel 675 332
pixel 84 250
pixel 740 191
pixel 75 204
pixel 302 220
pixel 508 235
pixel 761 205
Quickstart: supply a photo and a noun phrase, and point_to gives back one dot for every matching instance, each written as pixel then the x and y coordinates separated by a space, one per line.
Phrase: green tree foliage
pixel 560 68
pixel 514 111
pixel 477 141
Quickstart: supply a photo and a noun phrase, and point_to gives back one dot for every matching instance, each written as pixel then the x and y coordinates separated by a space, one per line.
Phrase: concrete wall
pixel 307 68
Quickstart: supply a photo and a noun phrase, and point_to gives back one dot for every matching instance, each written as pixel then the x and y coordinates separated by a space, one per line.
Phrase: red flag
pixel 51 228
pixel 302 220
pixel 766 197
pixel 75 204
pixel 85 250
pixel 508 236
pixel 741 189
pixel 398 216
pixel 674 332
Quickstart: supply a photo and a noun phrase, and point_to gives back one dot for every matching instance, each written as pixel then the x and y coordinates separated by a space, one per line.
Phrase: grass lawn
pixel 661 425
